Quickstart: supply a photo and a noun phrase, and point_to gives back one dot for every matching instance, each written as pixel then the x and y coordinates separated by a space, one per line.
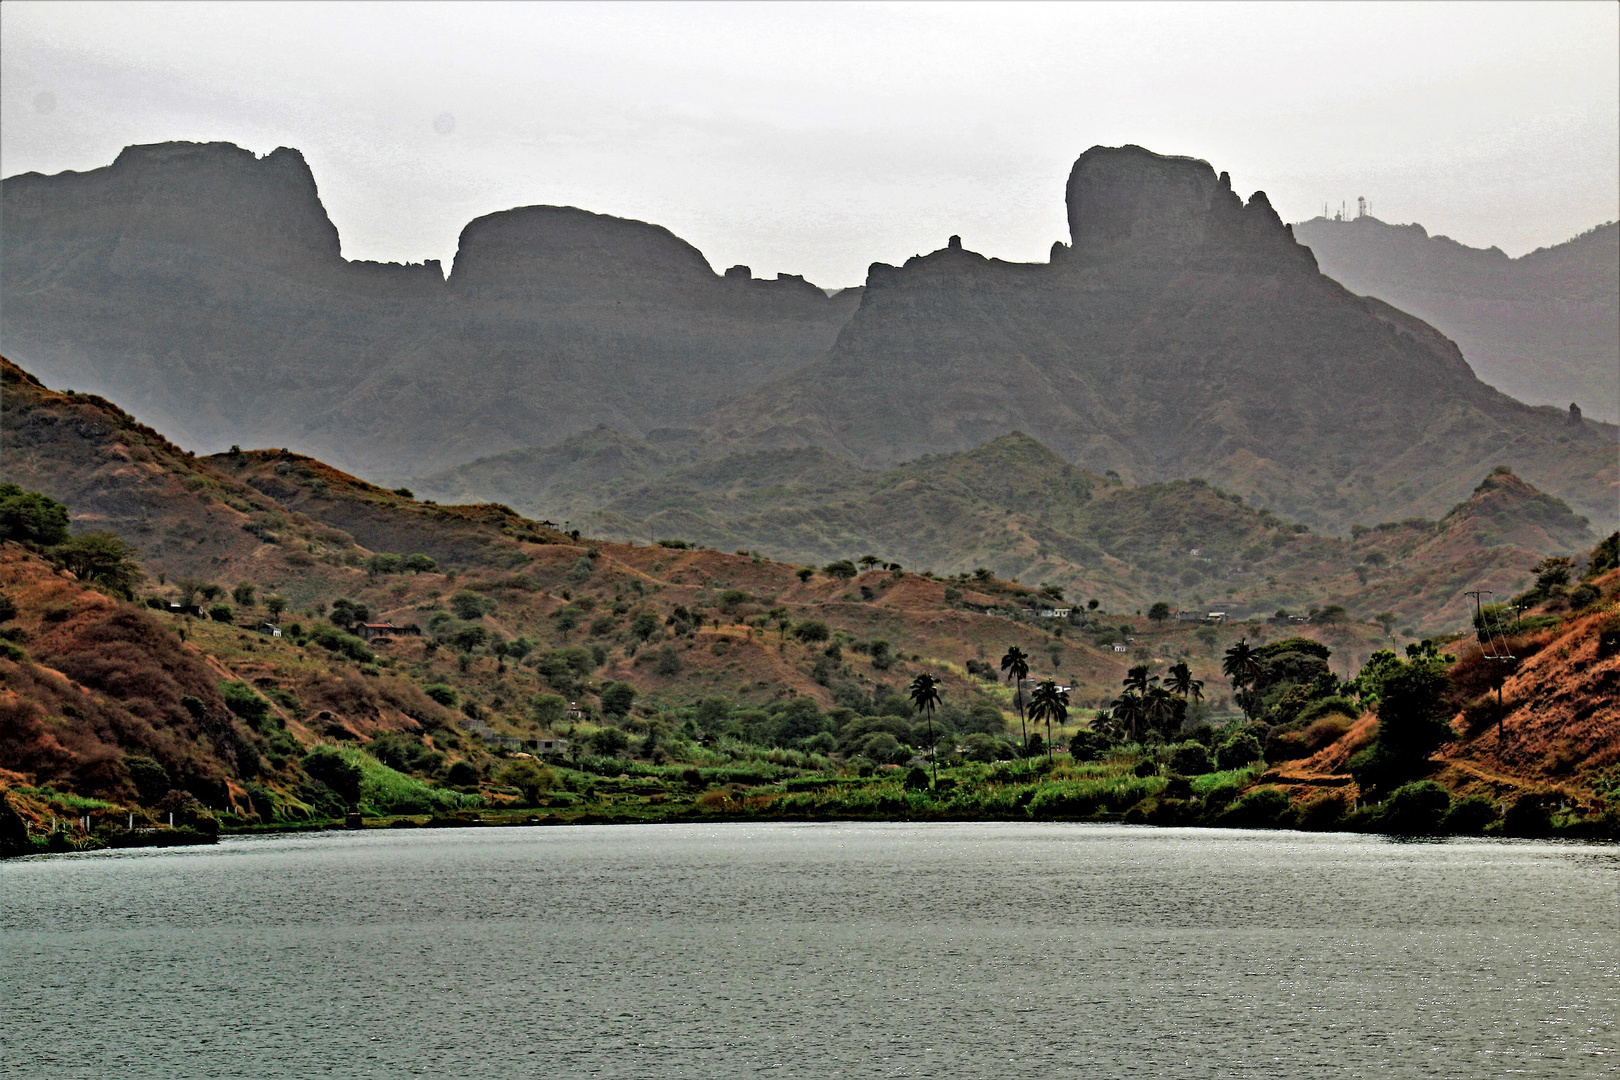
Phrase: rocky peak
pixel 562 251
pixel 1130 205
pixel 214 197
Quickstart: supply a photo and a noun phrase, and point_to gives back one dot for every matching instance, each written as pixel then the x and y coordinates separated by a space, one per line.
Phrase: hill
pixel 1182 333
pixel 1542 328
pixel 683 681
pixel 204 288
pixel 1017 508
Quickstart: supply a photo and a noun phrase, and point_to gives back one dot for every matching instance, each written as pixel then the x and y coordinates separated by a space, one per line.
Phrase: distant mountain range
pixel 1181 333
pixel 1544 328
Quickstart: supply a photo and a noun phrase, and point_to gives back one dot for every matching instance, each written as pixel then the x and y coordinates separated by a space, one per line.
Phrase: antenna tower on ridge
pixel 1361 206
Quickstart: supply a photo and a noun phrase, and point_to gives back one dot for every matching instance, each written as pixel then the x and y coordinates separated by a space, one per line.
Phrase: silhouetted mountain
pixel 205 289
pixel 1544 328
pixel 1183 334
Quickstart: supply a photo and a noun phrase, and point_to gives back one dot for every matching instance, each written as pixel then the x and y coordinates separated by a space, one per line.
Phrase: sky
pixel 818 138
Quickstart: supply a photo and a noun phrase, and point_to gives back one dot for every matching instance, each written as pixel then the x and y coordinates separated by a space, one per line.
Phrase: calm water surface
pixel 845 950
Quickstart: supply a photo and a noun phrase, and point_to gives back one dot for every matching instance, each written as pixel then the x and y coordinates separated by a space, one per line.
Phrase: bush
pixel 31 518
pixel 609 742
pixel 221 613
pixel 1237 750
pixel 1262 808
pixel 548 709
pixel 241 700
pixel 916 778
pixel 811 631
pixel 333 769
pixel 1324 812
pixel 1190 759
pixel 529 777
pixel 1468 816
pixel 462 774
pixel 1145 767
pixel 617 698
pixel 151 779
pixel 1527 817
pixel 334 640
pixel 443 694
pixel 1415 809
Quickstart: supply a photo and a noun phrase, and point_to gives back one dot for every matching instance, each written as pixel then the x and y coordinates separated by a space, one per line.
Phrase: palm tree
pixel 1138 680
pixel 924 695
pixel 1015 665
pixel 1181 682
pixel 1242 667
pixel 1129 710
pixel 1159 706
pixel 1049 702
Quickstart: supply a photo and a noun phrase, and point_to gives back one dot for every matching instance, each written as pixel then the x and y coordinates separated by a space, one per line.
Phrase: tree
pixel 805 573
pixel 31 518
pixel 1159 612
pixel 1137 680
pixel 1182 682
pixel 843 569
pixel 470 605
pixel 347 613
pixel 617 698
pixel 527 776
pixel 1387 620
pixel 924 695
pixel 1015 666
pixel 275 605
pixel 645 624
pixel 419 564
pixel 869 561
pixel 1414 714
pixel 1049 702
pixel 547 710
pixel 811 631
pixel 243 593
pixel 1130 712
pixel 1242 667
pixel 100 558
pixel 609 742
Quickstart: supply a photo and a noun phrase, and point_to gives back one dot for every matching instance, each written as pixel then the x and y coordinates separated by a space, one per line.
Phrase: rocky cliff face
pixel 1183 334
pixel 205 287
pixel 1544 328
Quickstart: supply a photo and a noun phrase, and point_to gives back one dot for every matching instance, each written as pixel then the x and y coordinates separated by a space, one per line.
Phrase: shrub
pixel 1324 812
pixel 609 741
pixel 617 698
pixel 1415 809
pixel 527 776
pixel 1469 815
pixel 443 694
pixel 669 661
pixel 916 778
pixel 1237 750
pixel 1190 759
pixel 151 779
pixel 1325 732
pixel 241 700
pixel 1262 808
pixel 334 640
pixel 1527 817
pixel 462 774
pixel 31 518
pixel 470 605
pixel 1145 767
pixel 331 768
pixel 221 613
pixel 811 631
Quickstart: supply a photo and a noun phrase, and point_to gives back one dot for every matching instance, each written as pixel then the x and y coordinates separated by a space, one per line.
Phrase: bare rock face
pixel 1182 334
pixel 204 287
pixel 1132 206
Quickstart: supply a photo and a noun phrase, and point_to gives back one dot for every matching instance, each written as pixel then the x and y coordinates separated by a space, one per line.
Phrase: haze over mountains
pixel 1181 333
pixel 1544 328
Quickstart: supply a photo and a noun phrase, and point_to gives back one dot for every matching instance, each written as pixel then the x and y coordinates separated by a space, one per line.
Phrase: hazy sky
pixel 818 138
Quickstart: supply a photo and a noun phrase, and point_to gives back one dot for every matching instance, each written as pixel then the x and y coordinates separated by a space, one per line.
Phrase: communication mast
pixel 1495 647
pixel 1361 206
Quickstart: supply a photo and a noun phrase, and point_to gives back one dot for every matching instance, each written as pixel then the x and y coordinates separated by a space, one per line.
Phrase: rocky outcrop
pixel 1128 205
pixel 205 287
pixel 1183 333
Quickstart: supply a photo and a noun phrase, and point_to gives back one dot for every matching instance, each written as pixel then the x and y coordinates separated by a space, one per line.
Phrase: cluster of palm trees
pixel 1047 701
pixel 1148 703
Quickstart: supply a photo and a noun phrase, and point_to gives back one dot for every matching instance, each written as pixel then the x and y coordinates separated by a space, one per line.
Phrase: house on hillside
pixel 269 629
pixel 183 609
pixel 1053 613
pixel 1201 616
pixel 380 630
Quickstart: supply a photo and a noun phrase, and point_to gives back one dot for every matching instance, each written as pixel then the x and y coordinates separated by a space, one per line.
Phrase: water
pixel 842 950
